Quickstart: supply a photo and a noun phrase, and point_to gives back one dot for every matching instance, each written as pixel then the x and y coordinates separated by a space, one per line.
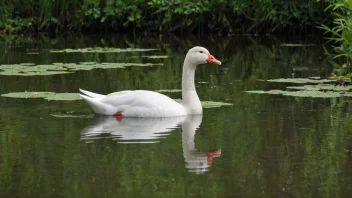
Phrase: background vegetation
pixel 216 16
pixel 220 16
pixel 340 36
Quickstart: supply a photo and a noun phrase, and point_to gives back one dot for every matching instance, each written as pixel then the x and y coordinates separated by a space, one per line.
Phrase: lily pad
pixel 27 64
pixel 69 115
pixel 155 57
pixel 33 53
pixel 301 80
pixel 313 94
pixel 62 68
pixel 169 90
pixel 296 45
pixel 322 87
pixel 315 90
pixel 23 70
pixel 101 50
pixel 28 94
pixel 210 104
pixel 315 77
pixel 273 92
pixel 45 95
pixel 63 96
pixel 306 93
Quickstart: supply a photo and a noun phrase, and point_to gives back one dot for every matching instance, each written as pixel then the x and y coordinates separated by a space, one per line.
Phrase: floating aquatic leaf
pixel 302 68
pixel 275 92
pixel 87 63
pixel 296 45
pixel 169 90
pixel 317 90
pixel 45 95
pixel 256 91
pixel 63 96
pixel 266 92
pixel 155 57
pixel 300 80
pixel 21 70
pixel 210 104
pixel 322 87
pixel 315 77
pixel 313 94
pixel 27 64
pixel 67 115
pixel 62 68
pixel 27 94
pixel 142 64
pixel 101 50
pixel 306 93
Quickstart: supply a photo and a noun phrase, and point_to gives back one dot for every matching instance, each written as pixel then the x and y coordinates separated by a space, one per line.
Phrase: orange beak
pixel 213 60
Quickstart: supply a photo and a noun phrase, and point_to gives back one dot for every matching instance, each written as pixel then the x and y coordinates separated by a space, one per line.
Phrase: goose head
pixel 199 55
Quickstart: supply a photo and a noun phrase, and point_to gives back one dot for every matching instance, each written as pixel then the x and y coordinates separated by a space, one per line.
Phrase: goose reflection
pixel 147 130
pixel 131 130
pixel 197 162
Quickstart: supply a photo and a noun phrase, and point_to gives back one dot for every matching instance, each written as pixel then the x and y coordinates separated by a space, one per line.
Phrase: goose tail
pixel 93 101
pixel 91 94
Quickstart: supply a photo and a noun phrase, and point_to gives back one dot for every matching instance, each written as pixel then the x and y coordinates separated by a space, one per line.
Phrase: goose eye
pixel 200 51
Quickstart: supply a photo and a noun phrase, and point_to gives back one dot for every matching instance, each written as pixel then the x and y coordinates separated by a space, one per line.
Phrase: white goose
pixel 143 103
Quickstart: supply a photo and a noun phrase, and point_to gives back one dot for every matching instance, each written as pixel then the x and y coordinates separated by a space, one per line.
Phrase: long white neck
pixel 195 161
pixel 190 99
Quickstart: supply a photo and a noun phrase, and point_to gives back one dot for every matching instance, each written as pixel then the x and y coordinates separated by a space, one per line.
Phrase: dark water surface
pixel 262 146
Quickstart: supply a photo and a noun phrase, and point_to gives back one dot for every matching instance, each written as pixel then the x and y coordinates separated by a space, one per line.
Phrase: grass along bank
pixel 340 37
pixel 217 16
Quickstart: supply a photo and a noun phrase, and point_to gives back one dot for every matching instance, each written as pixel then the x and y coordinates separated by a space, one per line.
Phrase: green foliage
pixel 341 35
pixel 230 16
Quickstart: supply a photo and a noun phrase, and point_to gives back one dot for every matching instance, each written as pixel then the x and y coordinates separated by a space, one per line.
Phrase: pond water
pixel 261 146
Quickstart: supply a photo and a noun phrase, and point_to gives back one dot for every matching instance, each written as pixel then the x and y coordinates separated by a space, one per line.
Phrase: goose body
pixel 143 103
pixel 139 103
